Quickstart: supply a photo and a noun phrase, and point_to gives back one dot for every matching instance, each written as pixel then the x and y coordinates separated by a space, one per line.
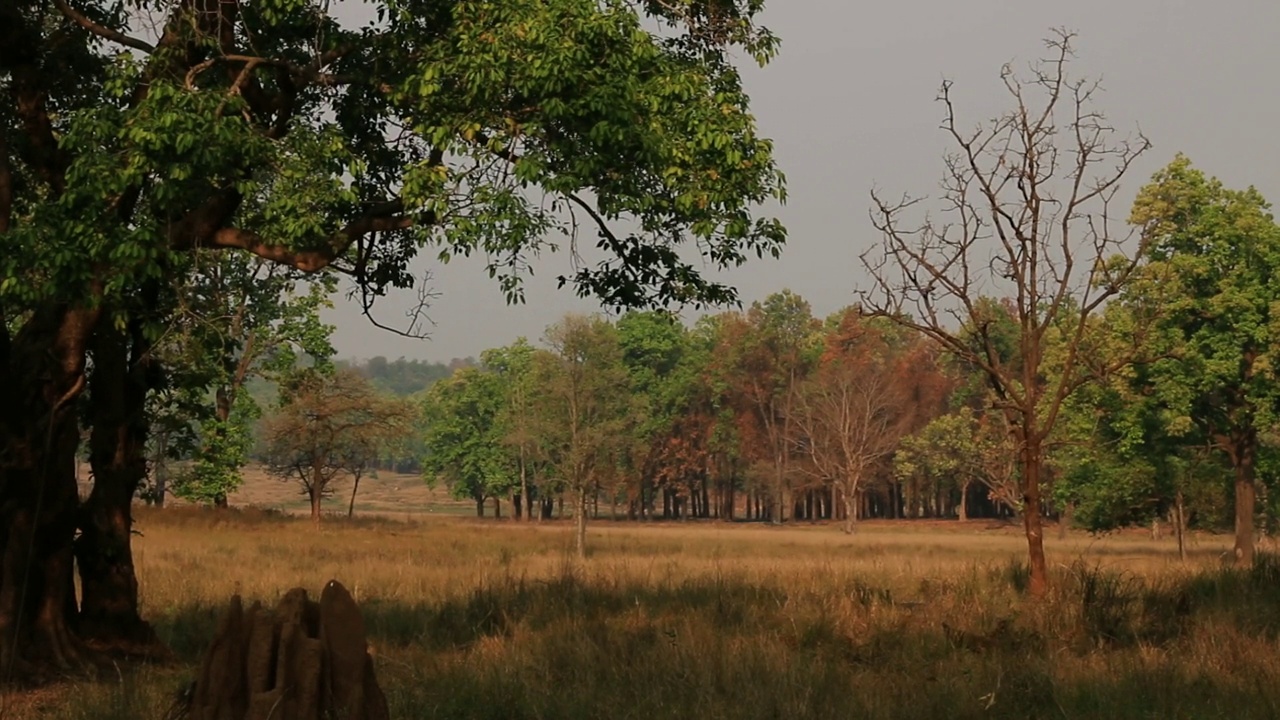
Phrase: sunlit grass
pixel 494 620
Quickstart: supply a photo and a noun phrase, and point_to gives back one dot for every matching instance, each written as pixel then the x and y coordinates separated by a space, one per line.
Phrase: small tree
pixel 1028 198
pixel 465 437
pixel 961 448
pixel 329 425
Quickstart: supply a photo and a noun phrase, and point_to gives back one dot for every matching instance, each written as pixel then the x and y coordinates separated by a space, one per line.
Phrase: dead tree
pixel 1028 206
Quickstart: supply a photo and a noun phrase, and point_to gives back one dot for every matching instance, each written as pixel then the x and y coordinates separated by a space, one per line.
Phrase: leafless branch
pixel 106 33
pixel 417 314
pixel 1032 191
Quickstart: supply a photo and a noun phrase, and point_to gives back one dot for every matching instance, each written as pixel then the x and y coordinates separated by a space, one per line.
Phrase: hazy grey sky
pixel 850 104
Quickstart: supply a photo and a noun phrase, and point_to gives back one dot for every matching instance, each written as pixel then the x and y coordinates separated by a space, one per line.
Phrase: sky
pixel 850 105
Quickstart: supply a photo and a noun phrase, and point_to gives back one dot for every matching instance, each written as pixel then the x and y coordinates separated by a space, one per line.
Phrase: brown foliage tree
pixel 331 425
pixel 851 413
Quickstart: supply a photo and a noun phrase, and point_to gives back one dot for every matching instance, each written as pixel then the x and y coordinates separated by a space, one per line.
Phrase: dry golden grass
pixel 473 619
pixel 402 496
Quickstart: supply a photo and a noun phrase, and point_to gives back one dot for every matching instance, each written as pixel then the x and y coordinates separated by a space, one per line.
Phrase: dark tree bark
pixel 38 493
pixel 122 376
pixel 355 488
pixel 1032 523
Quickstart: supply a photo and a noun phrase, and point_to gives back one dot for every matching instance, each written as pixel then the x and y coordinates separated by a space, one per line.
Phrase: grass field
pixel 485 619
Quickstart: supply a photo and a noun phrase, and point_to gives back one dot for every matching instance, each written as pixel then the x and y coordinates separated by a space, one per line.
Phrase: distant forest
pixel 402 377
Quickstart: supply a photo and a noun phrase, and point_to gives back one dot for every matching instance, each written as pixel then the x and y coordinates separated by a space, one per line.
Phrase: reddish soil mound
pixel 305 660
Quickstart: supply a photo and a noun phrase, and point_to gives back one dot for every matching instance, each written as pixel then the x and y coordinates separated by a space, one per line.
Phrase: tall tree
pixel 582 406
pixel 513 364
pixel 653 345
pixel 1214 255
pixel 770 357
pixel 241 318
pixel 1027 197
pixel 279 131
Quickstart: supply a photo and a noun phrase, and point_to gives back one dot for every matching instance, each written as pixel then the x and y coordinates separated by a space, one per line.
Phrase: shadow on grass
pixel 1105 644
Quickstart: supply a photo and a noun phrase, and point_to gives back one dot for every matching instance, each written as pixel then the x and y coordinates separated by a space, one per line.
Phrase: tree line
pixel 177 208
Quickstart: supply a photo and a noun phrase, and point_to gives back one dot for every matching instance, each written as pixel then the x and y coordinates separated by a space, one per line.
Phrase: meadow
pixel 494 619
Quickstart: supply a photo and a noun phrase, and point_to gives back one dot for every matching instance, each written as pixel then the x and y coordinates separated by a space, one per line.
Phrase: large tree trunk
pixel 1245 456
pixel 44 368
pixel 117 444
pixel 1031 521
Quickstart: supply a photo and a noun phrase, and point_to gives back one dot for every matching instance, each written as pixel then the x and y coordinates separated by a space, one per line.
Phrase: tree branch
pixel 309 260
pixel 106 33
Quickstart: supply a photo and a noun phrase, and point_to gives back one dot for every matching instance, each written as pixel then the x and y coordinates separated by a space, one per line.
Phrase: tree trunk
pixel 580 533
pixel 497 507
pixel 222 411
pixel 160 470
pixel 44 373
pixel 121 380
pixel 524 486
pixel 964 501
pixel 1180 519
pixel 479 507
pixel 1032 523
pixel 1246 494
pixel 847 495
pixel 355 488
pixel 315 492
pixel 778 501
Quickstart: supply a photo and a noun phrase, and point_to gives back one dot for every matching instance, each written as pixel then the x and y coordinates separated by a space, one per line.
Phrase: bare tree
pixel 850 420
pixel 1028 204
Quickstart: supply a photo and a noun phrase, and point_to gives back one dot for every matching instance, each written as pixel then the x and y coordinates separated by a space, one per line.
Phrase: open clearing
pixel 489 619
